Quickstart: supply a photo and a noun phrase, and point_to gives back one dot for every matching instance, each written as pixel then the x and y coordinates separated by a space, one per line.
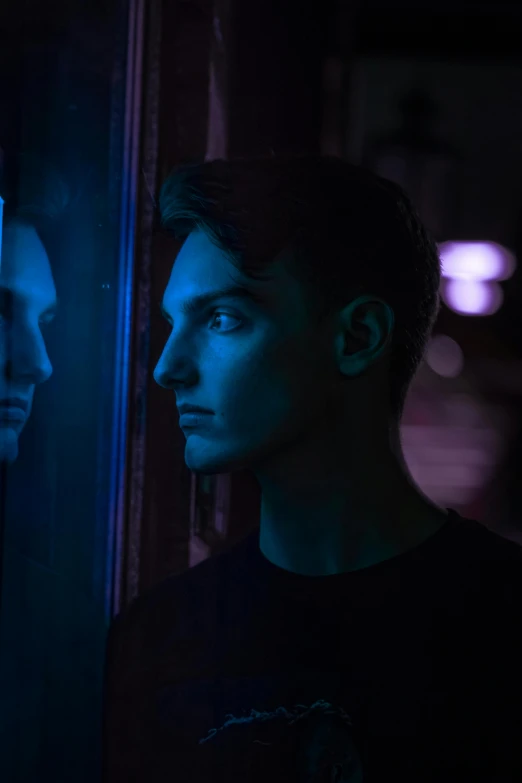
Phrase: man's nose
pixel 175 369
pixel 160 374
pixel 166 376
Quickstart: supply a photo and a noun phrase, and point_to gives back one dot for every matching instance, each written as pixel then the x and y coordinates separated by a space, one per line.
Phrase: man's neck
pixel 339 531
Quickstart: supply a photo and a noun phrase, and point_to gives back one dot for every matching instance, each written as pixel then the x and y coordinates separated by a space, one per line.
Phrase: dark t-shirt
pixel 408 670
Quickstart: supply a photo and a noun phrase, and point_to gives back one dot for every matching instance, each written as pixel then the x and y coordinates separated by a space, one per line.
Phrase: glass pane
pixel 64 318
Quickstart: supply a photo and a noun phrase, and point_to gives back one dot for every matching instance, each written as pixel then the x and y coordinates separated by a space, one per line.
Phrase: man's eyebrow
pixel 197 303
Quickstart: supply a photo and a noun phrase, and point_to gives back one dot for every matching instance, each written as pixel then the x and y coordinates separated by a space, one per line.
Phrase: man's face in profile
pixel 27 303
pixel 261 366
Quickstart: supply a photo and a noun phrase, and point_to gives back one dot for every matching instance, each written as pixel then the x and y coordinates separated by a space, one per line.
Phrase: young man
pixel 300 305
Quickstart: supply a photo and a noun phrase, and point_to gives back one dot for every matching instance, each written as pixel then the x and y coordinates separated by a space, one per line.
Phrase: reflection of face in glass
pixel 27 303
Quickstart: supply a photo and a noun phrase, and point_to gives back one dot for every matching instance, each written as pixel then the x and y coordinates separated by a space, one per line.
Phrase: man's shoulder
pixel 495 559
pixel 493 548
pixel 503 558
pixel 177 602
pixel 487 582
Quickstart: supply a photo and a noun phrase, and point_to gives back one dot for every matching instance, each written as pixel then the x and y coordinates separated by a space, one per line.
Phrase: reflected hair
pixel 33 190
pixel 344 230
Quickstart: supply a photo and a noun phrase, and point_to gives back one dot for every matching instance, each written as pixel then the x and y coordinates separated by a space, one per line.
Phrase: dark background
pixel 96 515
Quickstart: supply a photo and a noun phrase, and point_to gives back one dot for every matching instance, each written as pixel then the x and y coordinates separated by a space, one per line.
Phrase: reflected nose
pixel 26 358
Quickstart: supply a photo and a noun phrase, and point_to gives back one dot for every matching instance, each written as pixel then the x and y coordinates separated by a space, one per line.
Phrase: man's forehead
pixel 199 243
pixel 201 268
pixel 200 256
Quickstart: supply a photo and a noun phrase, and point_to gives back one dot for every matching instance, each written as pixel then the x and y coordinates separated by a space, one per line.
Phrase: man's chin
pixel 207 468
pixel 201 459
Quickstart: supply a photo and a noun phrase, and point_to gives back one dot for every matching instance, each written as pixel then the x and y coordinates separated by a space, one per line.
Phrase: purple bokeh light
pixel 445 356
pixel 471 271
pixel 472 297
pixel 476 261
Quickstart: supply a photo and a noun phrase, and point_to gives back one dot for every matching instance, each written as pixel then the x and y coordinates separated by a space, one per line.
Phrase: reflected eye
pixel 47 319
pixel 221 316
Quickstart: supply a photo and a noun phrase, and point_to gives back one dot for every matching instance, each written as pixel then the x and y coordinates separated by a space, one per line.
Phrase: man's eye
pixel 221 316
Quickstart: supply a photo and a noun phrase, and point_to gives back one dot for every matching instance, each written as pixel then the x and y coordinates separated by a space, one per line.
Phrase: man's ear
pixel 365 329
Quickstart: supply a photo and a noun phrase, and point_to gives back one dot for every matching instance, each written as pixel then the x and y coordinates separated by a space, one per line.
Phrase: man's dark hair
pixel 349 231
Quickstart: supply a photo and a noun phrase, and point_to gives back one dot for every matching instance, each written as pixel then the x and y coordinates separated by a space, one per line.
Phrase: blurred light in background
pixel 472 297
pixel 445 356
pixel 470 273
pixel 455 452
pixel 476 261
